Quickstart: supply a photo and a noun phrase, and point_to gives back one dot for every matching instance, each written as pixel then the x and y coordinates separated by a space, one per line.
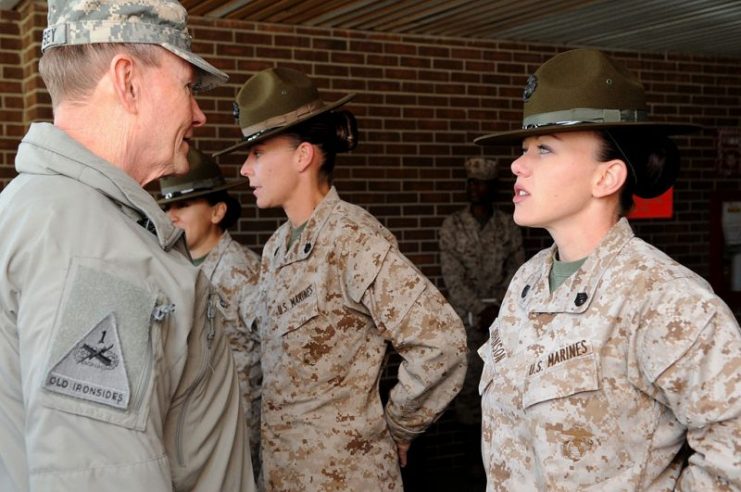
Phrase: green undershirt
pixel 295 234
pixel 562 270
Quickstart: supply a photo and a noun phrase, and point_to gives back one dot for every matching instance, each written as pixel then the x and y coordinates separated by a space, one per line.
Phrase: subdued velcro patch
pixel 93 368
pixel 104 296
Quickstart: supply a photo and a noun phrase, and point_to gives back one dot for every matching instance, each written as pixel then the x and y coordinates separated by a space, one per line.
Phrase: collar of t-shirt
pixel 295 234
pixel 562 270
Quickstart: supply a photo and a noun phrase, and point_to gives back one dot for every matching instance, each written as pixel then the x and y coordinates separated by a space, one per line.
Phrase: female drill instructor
pixel 607 355
pixel 335 290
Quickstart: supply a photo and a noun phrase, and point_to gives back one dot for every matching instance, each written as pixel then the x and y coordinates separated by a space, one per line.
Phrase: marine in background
pixel 480 251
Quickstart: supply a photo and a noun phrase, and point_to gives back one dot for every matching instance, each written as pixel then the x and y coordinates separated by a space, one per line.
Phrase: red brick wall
pixel 23 97
pixel 11 99
pixel 421 101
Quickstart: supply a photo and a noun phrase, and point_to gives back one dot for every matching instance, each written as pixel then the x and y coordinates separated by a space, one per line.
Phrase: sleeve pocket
pixel 568 378
pixel 101 360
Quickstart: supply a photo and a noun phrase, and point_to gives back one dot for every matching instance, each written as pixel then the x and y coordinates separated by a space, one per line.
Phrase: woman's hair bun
pixel 660 169
pixel 652 158
pixel 346 128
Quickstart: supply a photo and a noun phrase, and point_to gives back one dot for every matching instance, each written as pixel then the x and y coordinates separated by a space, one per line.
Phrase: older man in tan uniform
pixel 116 374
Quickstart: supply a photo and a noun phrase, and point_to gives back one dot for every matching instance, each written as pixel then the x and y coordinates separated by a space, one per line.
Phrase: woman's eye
pixel 544 149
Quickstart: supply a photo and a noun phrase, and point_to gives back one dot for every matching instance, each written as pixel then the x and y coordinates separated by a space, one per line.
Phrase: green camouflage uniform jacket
pixel 332 302
pixel 597 386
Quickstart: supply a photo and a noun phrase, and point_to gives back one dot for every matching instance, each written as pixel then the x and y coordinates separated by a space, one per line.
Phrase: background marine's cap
pixel 583 89
pixel 203 178
pixel 274 100
pixel 480 168
pixel 160 22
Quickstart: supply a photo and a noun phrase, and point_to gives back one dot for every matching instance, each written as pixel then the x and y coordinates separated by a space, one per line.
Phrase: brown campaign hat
pixel 583 89
pixel 203 178
pixel 274 100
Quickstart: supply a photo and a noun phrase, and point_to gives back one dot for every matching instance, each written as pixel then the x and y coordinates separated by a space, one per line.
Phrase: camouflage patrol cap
pixel 480 168
pixel 160 22
pixel 203 178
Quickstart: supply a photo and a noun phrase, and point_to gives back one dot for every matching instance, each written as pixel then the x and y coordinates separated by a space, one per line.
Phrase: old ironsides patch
pixel 93 369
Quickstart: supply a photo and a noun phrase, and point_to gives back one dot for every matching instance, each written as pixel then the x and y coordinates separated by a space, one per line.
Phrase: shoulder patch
pixel 93 368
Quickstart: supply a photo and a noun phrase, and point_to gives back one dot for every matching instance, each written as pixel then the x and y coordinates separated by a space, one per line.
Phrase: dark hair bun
pixel 233 212
pixel 233 207
pixel 660 168
pixel 346 128
pixel 653 159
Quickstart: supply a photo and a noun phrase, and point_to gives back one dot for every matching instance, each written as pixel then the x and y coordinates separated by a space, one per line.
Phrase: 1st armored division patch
pixel 93 368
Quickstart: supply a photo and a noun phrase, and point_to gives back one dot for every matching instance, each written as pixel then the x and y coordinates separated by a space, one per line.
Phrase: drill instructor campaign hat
pixel 160 22
pixel 274 100
pixel 203 178
pixel 583 89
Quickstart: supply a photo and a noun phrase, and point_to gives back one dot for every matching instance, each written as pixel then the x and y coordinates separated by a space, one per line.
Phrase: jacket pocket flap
pixel 563 379
pixel 297 310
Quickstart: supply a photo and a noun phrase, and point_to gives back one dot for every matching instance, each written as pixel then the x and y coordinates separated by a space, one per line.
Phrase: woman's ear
pixel 305 153
pixel 218 212
pixel 609 178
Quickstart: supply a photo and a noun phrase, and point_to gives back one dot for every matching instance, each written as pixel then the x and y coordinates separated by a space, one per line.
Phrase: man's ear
pixel 304 154
pixel 609 178
pixel 218 212
pixel 125 77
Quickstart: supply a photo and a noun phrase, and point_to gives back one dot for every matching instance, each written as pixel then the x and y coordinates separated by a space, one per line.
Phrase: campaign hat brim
pixel 201 192
pixel 514 136
pixel 270 132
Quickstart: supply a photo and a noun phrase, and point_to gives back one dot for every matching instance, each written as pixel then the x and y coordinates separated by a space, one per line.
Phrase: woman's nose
pixel 518 166
pixel 246 169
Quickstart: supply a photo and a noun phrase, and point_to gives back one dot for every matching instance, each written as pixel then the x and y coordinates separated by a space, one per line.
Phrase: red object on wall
pixel 661 207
